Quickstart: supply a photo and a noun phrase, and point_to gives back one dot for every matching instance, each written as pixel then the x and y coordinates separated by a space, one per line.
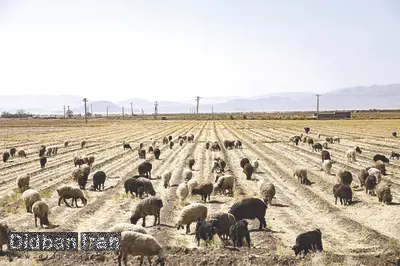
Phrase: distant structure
pixel 85 101
pixel 197 105
pixel 132 109
pixel 332 115
pixel 156 108
pixel 318 95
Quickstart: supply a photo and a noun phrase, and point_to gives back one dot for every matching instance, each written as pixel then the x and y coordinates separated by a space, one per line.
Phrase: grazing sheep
pixel 190 214
pixel 344 176
pixel 132 184
pixel 150 149
pixel 370 185
pixel 148 206
pixel 190 163
pixel 165 140
pixel 147 185
pixel 30 196
pixel 78 161
pixel 244 161
pixel 304 139
pixel 327 166
pixel 238 231
pixel 220 164
pixel 98 180
pixel 82 181
pixel 248 170
pixel 41 210
pixel 187 174
pixel 137 244
pixel 380 157
pixel 171 144
pixel 362 176
pixel 329 140
pixel 207 145
pixel 336 139
pixel 307 130
pixel 317 147
pixel 180 142
pixel 301 174
pixel 141 145
pixel 84 171
pixel 192 183
pixel 182 191
pixel 205 230
pixel 83 143
pixel 142 154
pixel 394 134
pixel 43 161
pixel 145 169
pixel 42 150
pixel 122 227
pixel 126 146
pixel 23 182
pixel 70 192
pixel 343 192
pixel 250 208
pixel 381 167
pixel 215 147
pixel 4 230
pixel 256 165
pixel 308 240
pixel 157 153
pixel 325 145
pixel 13 151
pixel 6 156
pixel 89 160
pixel 166 177
pixel 224 183
pixel 395 155
pixel 376 173
pixel 21 153
pixel 325 155
pixel 351 154
pixel 384 194
pixel 49 151
pixel 310 141
pixel 66 143
pixel 225 221
pixel 267 191
pixel 204 189
pixel 238 144
pixel 295 140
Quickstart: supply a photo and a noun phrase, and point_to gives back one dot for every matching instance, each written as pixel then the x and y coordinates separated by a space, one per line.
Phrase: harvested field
pixel 367 232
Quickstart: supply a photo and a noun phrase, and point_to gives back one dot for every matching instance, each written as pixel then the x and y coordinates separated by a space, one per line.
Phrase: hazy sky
pixel 175 50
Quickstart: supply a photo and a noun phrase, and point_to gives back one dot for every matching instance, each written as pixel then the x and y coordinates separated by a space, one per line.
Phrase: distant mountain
pixel 360 97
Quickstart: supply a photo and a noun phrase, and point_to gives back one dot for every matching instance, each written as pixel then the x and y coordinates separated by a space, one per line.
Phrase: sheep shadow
pixel 394 203
pixel 260 173
pixel 166 225
pixel 230 248
pixel 52 226
pixel 267 230
pixel 103 190
pixel 216 202
pixel 279 205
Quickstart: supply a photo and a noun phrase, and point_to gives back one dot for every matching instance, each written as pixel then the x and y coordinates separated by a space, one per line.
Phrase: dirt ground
pixel 366 233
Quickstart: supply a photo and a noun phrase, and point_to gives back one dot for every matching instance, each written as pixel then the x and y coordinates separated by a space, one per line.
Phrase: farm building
pixel 333 115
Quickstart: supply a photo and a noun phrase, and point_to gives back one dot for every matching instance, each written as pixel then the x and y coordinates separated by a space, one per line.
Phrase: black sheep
pixel 145 169
pixel 305 181
pixel 370 185
pixel 317 147
pixel 42 150
pixel 191 162
pixel 394 134
pixel 127 146
pixel 296 140
pixel 165 140
pixel 238 144
pixel 307 130
pixel 207 145
pixel 346 177
pixel 380 157
pixel 250 208
pixel 133 184
pixel 395 155
pixel 204 189
pixel 311 240
pixel 98 180
pixel 248 169
pixel 6 156
pixel 190 138
pixel 43 161
pixel 343 192
pixel 215 147
pixel 169 138
pixel 82 180
pixel 325 155
pixel 222 165
pixel 205 230
pixel 157 153
pixel 13 151
pixel 171 144
pixel 243 162
pixel 238 231
pixel 150 149
pixel 142 154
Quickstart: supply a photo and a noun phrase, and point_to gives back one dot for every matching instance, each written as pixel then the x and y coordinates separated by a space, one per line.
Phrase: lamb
pixel 205 230
pixel 243 162
pixel 83 143
pixel 98 180
pixel 137 244
pixel 190 163
pixel 23 182
pixel 376 173
pixel 344 176
pixel 21 153
pixel 248 169
pixel 166 177
pixel 301 174
pixel 134 185
pixel 380 157
pixel 157 153
pixel 225 221
pixel 395 155
pixel 13 151
pixel 370 185
pixel 327 166
pixel 122 227
pixel 43 161
pixel 308 240
pixel 70 192
pixel 325 145
pixel 256 165
pixel 171 144
pixel 187 174
pixel 362 176
pixel 148 206
pixel 310 141
pixel 336 139
pixel 142 154
pixel 182 191
pixel 192 183
pixel 267 191
pixel 223 183
pixel 145 169
pixel 325 155
pixel 250 208
pixel 394 134
pixel 147 185
pixel 4 230
pixel 6 156
pixel 126 146
pixel 66 143
pixel 41 210
pixel 351 153
pixel 30 196
pixel 238 231
pixel 384 194
pixel 343 192
pixel 190 214
pixel 317 147
pixel 150 149
pixel 204 189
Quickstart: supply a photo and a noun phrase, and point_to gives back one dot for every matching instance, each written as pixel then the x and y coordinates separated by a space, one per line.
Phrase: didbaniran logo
pixel 63 241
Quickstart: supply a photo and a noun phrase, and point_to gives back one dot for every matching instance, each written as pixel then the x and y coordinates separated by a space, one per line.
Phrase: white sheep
pixel 4 229
pixel 187 174
pixel 137 244
pixel 327 166
pixel 182 191
pixel 325 145
pixel 30 196
pixel 192 183
pixel 375 172
pixel 148 186
pixel 67 192
pixel 351 154
pixel 41 210
pixel 223 183
pixel 166 177
pixel 267 191
pixel 190 214
pixel 23 183
pixel 120 227
pixel 255 165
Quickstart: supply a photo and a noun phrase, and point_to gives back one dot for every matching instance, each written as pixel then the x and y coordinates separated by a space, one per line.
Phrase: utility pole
pixel 212 112
pixel 156 108
pixel 122 111
pixel 197 106
pixel 91 109
pixel 318 95
pixel 85 101
pixel 64 111
pixel 107 111
pixel 132 109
